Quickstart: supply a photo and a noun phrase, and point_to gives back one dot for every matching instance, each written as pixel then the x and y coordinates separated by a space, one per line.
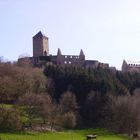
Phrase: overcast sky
pixel 106 30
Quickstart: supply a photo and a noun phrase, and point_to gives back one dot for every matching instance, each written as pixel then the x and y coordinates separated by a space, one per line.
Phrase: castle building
pixel 70 59
pixel 130 66
pixel 41 55
pixel 40 45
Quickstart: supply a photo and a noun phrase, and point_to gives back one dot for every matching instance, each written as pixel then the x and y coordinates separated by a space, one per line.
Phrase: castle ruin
pixel 41 55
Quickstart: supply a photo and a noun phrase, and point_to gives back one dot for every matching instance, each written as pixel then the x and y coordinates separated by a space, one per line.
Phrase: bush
pixel 9 119
pixel 68 120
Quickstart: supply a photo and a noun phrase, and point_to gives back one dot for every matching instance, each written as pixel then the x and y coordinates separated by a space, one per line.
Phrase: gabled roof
pixel 39 34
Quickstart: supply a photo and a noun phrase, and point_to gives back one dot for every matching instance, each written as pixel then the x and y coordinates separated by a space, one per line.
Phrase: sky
pixel 106 30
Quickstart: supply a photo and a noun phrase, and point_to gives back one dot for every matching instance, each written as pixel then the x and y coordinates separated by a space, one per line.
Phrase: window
pixel 65 56
pixel 69 62
pixel 65 62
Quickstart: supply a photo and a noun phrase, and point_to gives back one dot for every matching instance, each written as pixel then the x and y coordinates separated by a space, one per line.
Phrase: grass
pixel 66 135
pixel 6 105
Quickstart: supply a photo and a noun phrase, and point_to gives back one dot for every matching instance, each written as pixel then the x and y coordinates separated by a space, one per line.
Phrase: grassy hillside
pixel 66 135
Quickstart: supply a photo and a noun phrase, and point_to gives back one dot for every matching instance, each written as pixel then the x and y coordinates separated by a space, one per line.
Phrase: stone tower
pixel 40 45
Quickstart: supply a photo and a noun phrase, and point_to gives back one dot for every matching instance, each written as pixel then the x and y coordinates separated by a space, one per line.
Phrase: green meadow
pixel 65 135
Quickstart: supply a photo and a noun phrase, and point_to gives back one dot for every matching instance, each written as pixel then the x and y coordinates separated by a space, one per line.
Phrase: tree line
pixel 67 97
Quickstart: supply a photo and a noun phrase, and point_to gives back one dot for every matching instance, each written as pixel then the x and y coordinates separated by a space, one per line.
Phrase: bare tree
pixel 69 110
pixel 29 103
pixel 54 116
pixel 37 105
pixel 44 107
pixel 123 114
pixel 68 102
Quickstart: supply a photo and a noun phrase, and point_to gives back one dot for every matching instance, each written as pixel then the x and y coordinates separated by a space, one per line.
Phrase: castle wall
pixel 69 60
pixel 130 67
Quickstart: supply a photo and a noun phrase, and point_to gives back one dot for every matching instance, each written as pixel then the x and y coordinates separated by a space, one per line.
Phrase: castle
pixel 130 66
pixel 41 55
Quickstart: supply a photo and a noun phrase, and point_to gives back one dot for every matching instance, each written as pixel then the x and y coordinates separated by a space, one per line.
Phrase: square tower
pixel 40 45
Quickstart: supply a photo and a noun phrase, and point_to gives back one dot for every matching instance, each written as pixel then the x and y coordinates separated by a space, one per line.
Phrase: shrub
pixel 9 119
pixel 68 120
